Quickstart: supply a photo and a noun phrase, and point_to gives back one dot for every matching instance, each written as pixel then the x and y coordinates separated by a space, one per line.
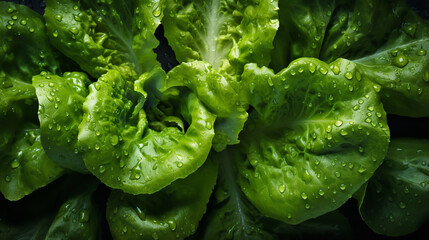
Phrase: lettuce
pixel 267 119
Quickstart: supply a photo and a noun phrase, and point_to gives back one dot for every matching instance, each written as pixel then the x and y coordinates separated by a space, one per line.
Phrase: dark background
pixel 399 126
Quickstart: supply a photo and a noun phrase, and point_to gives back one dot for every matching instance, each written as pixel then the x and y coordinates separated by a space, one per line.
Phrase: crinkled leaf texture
pixel 395 200
pixel 217 93
pixel 172 213
pixel 386 39
pixel 25 167
pixel 232 216
pixel 60 113
pixel 65 209
pixel 103 35
pixel 124 153
pixel 226 34
pixel 317 133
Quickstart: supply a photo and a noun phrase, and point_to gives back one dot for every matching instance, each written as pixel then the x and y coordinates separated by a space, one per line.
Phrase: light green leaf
pixel 25 167
pixel 226 34
pixel 317 133
pixel 218 94
pixel 172 213
pixel 124 153
pixel 232 216
pixel 103 35
pixel 60 113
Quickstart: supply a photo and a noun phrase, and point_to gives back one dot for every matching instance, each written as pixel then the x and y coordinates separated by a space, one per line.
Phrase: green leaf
pixel 226 34
pixel 232 216
pixel 78 217
pixel 317 133
pixel 124 153
pixel 20 60
pixel 172 213
pixel 217 93
pixel 60 113
pixel 401 68
pixel 338 29
pixel 106 35
pixel 302 30
pixel 65 209
pixel 25 167
pixel 395 202
pixel 386 39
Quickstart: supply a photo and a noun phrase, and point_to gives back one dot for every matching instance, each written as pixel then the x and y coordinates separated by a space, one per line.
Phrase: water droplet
pixel 391 218
pixel 209 125
pixel 83 216
pixel 304 195
pixel 14 17
pixel 31 30
pixel 317 162
pixel 101 168
pixel 156 11
pixel 114 139
pixel 411 29
pixel 97 86
pixel 75 7
pixel 172 225
pixel 307 206
pixel 312 67
pixel 337 174
pixel 402 205
pixel 8 178
pixel 10 10
pixel 270 82
pixel 343 186
pixel 348 75
pixel 121 163
pixel 74 30
pixel 282 188
pixel 155 236
pixel 23 22
pixel 426 76
pixel 356 107
pixel 358 76
pixel 135 175
pixel 400 61
pixel 377 87
pixel 321 192
pixel 124 229
pixel 338 123
pixel 58 17
pixel 421 52
pixel 15 163
pixel 323 70
pixel 362 170
pixel 335 69
pixel 179 164
pixel 292 72
pixel 140 213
